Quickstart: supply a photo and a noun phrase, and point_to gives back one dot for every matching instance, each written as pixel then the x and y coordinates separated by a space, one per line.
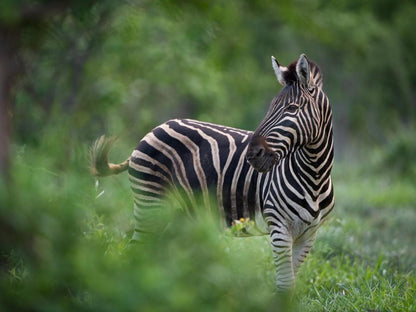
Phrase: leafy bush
pixel 71 251
pixel 399 153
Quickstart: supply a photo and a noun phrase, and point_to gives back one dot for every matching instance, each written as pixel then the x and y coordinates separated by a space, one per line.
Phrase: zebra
pixel 279 175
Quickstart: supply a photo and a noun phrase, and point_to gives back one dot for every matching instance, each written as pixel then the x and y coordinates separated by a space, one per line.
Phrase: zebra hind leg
pixel 301 247
pixel 150 222
pixel 153 212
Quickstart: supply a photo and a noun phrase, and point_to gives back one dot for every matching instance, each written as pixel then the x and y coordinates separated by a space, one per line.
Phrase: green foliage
pixel 110 66
pixel 246 228
pixel 70 249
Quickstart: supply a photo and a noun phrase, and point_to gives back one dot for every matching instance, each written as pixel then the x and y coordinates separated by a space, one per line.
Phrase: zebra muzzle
pixel 260 155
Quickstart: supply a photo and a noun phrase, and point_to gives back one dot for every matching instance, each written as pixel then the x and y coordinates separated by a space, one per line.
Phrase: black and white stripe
pixel 278 175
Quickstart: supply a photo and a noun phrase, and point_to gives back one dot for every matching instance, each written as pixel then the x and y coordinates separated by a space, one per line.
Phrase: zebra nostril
pixel 260 152
pixel 255 152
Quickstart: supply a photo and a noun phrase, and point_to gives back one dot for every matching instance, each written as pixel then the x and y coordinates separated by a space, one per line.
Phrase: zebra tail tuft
pixel 99 165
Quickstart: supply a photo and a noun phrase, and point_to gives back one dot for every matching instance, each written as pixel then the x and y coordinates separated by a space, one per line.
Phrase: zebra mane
pixel 290 76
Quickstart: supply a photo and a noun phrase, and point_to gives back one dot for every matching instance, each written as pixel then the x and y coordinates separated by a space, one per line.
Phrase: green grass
pixel 364 259
pixel 67 249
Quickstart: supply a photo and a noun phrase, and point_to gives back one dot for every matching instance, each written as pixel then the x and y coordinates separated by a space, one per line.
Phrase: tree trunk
pixel 8 71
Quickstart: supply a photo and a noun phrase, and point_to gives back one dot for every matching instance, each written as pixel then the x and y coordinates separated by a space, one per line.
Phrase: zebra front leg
pixel 281 243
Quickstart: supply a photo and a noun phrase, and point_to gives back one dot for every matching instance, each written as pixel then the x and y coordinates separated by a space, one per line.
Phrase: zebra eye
pixel 292 108
pixel 311 88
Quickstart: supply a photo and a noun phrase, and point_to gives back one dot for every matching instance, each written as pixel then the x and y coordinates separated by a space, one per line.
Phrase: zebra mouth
pixel 267 164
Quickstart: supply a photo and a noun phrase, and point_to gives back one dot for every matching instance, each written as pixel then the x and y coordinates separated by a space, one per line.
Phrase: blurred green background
pixel 73 70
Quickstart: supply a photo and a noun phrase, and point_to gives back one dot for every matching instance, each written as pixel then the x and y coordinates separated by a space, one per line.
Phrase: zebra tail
pixel 99 164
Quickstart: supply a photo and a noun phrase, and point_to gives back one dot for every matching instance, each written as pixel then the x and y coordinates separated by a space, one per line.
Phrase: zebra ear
pixel 302 70
pixel 279 71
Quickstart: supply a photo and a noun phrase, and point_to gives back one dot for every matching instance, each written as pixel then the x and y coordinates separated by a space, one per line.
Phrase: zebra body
pixel 279 174
pixel 196 158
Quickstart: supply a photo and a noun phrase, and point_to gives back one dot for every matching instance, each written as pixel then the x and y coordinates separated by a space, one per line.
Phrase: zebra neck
pixel 314 162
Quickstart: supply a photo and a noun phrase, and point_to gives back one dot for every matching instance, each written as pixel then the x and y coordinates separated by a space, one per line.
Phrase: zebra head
pixel 294 117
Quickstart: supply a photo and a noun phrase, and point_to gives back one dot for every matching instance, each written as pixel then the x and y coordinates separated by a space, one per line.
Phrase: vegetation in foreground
pixel 70 249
